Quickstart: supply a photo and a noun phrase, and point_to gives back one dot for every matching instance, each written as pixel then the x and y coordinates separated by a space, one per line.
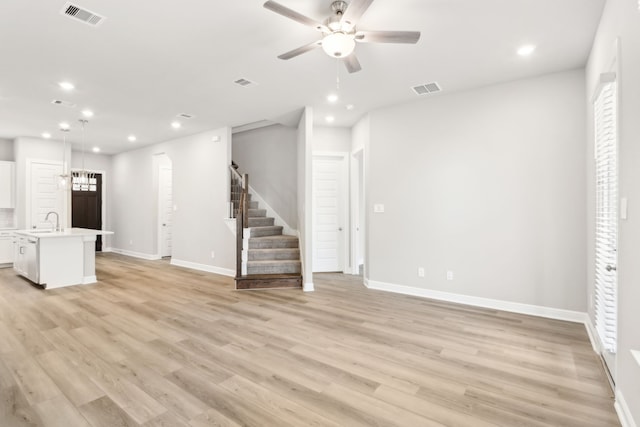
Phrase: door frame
pixel 65 219
pixel 357 211
pixel 169 167
pixel 103 208
pixel 344 196
pixel 160 160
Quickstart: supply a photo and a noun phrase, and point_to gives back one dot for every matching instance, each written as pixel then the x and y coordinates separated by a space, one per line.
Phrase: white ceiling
pixel 152 60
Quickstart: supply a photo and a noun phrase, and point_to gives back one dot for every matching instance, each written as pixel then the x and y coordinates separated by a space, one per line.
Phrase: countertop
pixel 69 232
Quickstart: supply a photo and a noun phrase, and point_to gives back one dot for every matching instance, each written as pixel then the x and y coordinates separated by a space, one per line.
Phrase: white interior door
pixel 165 210
pixel 44 195
pixel 329 213
pixel 606 246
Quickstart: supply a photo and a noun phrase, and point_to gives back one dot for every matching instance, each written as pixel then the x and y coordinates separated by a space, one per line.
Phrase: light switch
pixel 378 208
pixel 623 208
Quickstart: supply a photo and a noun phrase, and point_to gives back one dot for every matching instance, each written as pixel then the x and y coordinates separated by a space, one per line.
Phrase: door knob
pixel 611 267
pixel 340 229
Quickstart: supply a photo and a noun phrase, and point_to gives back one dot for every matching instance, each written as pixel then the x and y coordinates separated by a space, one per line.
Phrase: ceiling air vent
pixel 185 116
pixel 244 82
pixel 63 103
pixel 74 11
pixel 426 88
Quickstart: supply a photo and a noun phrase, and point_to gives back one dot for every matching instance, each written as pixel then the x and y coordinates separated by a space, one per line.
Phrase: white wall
pixel 6 149
pixel 621 18
pixel 99 163
pixel 200 192
pixel 269 156
pixel 331 139
pixel 489 184
pixel 305 197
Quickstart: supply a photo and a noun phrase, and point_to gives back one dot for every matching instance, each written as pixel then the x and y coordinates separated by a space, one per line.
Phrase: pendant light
pixel 63 178
pixel 84 178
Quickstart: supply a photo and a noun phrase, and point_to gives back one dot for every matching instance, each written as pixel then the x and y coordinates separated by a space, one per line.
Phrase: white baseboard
pixel 203 267
pixel 148 257
pixel 307 287
pixel 591 331
pixel 624 414
pixel 533 310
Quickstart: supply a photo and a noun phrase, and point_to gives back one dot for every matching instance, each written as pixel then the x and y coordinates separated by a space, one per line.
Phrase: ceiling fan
pixel 339 33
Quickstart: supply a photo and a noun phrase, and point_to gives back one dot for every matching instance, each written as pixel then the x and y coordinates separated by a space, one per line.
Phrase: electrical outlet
pixel 130 242
pixel 420 271
pixel 449 275
pixel 213 254
pixel 378 208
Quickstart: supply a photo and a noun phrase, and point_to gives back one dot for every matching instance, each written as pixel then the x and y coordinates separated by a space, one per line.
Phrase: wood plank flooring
pixel 156 345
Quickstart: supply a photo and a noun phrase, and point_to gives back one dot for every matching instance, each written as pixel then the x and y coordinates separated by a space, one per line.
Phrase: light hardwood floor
pixel 156 345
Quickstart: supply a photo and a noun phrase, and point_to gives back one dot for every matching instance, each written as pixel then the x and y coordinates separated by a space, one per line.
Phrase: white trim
pixel 87 280
pixel 591 331
pixel 622 409
pixel 344 195
pixel 203 267
pixel 636 356
pixel 133 254
pixel 271 213
pixel 514 307
pixel 307 287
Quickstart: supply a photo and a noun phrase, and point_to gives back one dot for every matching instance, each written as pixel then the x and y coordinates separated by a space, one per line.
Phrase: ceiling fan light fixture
pixel 338 44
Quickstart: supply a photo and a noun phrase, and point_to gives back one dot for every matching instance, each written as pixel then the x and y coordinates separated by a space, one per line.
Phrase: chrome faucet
pixel 46 218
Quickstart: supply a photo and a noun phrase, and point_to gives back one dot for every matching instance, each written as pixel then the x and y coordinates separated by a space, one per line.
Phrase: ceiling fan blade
pixel 355 10
pixel 302 49
pixel 292 14
pixel 352 63
pixel 388 36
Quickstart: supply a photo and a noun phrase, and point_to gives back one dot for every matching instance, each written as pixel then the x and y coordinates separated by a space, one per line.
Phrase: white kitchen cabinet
pixel 6 248
pixel 7 185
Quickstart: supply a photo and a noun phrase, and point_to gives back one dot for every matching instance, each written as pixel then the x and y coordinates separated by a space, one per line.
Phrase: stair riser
pixel 265 283
pixel 253 213
pixel 268 244
pixel 281 269
pixel 266 231
pixel 261 222
pixel 264 255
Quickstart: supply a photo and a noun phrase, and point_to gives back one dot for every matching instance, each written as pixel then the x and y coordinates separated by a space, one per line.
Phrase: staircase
pixel 269 259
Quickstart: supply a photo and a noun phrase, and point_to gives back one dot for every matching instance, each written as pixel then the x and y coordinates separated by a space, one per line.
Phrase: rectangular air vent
pixel 185 116
pixel 77 12
pixel 244 82
pixel 426 88
pixel 63 103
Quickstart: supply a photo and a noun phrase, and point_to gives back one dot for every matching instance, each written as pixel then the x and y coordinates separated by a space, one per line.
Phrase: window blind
pixel 606 245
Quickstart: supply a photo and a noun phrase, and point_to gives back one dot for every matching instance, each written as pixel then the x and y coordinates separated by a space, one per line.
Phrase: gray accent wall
pixel 488 184
pixel 621 18
pixel 268 155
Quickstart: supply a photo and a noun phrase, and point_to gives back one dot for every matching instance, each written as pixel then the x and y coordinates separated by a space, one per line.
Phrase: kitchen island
pixel 55 259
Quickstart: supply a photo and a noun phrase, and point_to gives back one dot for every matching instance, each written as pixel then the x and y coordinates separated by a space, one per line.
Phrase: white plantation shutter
pixel 605 108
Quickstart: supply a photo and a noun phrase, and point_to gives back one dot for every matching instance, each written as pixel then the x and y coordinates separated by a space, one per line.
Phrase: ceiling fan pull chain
pixel 337 74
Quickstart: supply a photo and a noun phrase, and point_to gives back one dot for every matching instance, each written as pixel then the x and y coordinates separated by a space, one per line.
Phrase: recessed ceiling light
pixel 64 125
pixel 96 149
pixel 350 107
pixel 526 50
pixel 66 85
pixel 87 113
pixel 332 97
pixel 330 119
pixel 132 138
pixel 176 125
pixel 46 135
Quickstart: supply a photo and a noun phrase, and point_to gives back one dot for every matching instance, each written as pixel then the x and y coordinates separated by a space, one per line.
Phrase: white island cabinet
pixel 57 258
